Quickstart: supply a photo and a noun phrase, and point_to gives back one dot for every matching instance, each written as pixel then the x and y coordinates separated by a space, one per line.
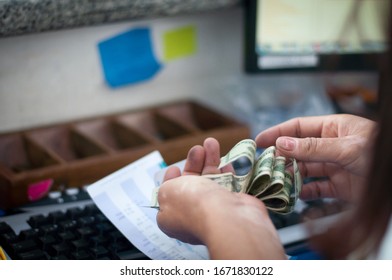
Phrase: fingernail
pixel 286 143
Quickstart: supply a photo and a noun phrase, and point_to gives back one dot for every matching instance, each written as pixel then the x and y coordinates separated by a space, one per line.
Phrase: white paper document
pixel 124 198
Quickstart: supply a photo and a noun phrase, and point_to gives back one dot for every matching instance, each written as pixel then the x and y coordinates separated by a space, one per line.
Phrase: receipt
pixel 123 196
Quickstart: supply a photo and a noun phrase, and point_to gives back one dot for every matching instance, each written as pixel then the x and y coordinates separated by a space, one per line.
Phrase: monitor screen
pixel 314 34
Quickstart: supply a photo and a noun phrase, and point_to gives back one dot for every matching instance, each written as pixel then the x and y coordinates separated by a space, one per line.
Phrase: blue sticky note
pixel 128 58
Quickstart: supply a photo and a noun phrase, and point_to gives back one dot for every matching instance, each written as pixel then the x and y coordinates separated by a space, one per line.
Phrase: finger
pixel 212 156
pixel 171 173
pixel 316 169
pixel 195 161
pixel 297 127
pixel 313 149
pixel 317 189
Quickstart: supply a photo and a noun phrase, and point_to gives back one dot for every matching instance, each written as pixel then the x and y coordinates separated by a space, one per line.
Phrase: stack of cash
pixel 273 179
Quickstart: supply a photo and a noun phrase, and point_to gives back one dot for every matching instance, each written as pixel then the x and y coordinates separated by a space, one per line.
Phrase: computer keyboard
pixel 72 227
pixel 65 226
pixel 77 232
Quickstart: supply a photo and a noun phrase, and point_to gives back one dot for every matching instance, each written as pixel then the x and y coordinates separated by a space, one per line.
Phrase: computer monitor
pixel 292 35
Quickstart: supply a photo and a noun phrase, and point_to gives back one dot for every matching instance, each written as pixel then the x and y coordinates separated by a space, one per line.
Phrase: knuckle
pixel 310 145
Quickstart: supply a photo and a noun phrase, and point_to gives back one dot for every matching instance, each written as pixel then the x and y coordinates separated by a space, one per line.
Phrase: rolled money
pixel 262 172
pixel 281 202
pixel 269 178
pixel 245 148
pixel 223 179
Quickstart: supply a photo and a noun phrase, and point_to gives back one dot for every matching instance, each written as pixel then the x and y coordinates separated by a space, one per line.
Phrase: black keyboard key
pixel 23 246
pixel 120 246
pixel 8 238
pixel 117 236
pixel 86 221
pixel 99 252
pixel 79 244
pixel 132 254
pixel 100 218
pixel 33 255
pixel 48 229
pixel 45 241
pixel 74 213
pixel 91 209
pixel 60 257
pixel 57 250
pixel 99 240
pixel 56 216
pixel 103 228
pixel 38 220
pixel 85 232
pixel 66 236
pixel 81 255
pixel 5 228
pixel 67 225
pixel 28 234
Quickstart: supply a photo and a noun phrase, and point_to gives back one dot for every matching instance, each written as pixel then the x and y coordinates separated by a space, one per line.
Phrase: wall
pixel 56 76
pixel 31 16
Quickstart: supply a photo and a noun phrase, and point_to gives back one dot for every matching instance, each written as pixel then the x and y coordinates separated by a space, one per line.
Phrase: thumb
pixel 310 148
pixel 171 173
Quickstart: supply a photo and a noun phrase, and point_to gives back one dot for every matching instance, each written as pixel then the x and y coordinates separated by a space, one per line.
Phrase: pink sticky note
pixel 38 190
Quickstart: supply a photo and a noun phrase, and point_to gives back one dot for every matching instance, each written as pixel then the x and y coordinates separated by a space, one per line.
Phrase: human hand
pixel 333 146
pixel 201 160
pixel 172 196
pixel 197 210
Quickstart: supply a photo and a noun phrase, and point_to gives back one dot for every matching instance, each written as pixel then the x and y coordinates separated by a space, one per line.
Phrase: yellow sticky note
pixel 179 43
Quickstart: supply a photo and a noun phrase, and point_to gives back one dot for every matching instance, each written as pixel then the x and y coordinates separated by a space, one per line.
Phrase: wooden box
pixel 78 153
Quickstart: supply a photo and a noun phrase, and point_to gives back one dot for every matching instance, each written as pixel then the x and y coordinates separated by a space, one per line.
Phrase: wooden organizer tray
pixel 78 153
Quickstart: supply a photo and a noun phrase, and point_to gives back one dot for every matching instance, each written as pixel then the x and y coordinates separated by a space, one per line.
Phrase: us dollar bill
pixel 273 179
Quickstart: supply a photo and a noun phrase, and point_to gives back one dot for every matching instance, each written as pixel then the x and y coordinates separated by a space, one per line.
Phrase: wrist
pixel 240 230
